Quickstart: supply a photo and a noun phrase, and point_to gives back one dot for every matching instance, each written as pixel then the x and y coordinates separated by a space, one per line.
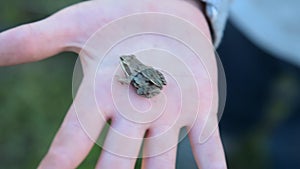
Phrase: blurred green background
pixel 259 127
pixel 34 97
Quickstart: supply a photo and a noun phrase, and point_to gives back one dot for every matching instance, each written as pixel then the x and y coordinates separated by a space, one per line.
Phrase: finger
pixel 160 148
pixel 122 145
pixel 208 154
pixel 73 142
pixel 39 40
pixel 31 42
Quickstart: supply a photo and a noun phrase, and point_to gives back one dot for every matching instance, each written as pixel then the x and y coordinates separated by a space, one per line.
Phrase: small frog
pixel 147 80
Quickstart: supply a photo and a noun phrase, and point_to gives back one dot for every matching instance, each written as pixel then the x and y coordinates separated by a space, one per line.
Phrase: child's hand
pixel 68 30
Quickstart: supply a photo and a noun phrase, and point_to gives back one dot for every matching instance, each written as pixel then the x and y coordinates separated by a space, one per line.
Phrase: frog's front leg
pixel 126 80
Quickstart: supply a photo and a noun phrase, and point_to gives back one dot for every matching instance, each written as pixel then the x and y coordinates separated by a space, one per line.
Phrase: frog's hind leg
pixel 148 91
pixel 162 78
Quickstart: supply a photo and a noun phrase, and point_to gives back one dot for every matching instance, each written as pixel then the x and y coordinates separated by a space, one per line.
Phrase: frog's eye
pixel 125 57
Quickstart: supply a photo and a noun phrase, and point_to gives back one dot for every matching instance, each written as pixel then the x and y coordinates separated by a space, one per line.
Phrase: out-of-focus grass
pixel 33 97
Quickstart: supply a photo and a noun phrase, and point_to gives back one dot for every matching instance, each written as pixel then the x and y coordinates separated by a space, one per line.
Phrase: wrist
pixel 190 10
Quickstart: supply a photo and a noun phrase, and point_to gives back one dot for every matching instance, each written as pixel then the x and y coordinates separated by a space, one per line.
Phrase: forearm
pixel 191 10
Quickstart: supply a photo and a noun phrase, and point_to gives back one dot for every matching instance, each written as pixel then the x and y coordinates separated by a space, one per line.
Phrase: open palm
pixel 101 97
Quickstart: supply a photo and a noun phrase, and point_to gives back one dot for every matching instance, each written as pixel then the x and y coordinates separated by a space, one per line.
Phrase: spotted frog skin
pixel 147 80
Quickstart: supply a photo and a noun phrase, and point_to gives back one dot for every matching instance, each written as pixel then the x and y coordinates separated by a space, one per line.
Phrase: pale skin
pixel 36 41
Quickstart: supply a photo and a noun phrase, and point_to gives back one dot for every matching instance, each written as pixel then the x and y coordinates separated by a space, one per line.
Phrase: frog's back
pixel 155 77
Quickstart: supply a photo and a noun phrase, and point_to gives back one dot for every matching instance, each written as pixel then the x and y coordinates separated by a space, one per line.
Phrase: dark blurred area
pixel 261 123
pixel 260 126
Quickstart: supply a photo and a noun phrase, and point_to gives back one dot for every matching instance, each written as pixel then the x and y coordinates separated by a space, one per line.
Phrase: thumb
pixel 39 40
